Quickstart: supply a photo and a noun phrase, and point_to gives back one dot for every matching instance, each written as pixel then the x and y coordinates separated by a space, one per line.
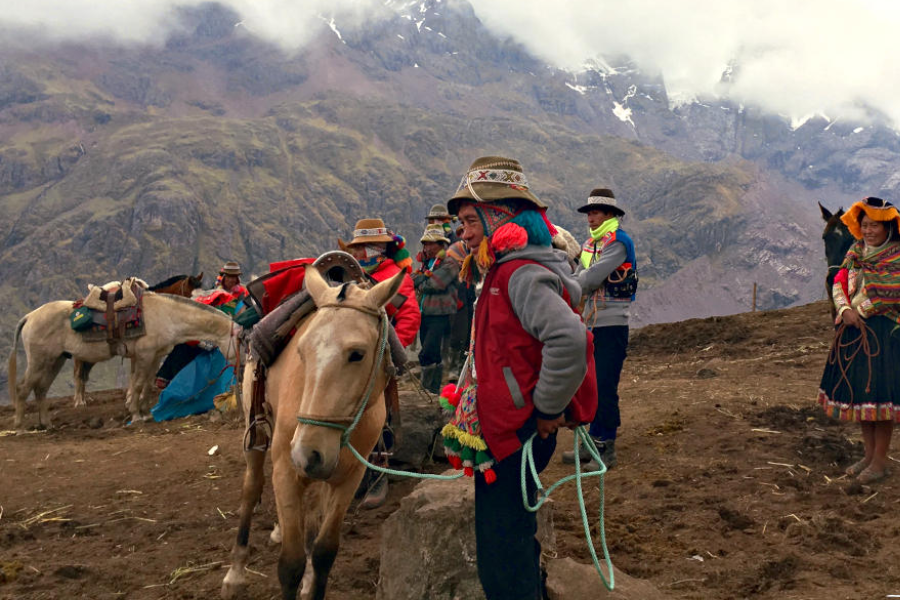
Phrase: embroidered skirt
pixel 864 386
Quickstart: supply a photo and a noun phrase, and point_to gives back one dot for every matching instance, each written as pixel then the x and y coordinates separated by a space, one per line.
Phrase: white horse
pixel 48 340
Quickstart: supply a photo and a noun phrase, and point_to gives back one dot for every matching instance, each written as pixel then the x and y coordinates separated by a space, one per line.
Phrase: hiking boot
pixel 568 457
pixel 607 450
pixel 377 494
pixel 432 376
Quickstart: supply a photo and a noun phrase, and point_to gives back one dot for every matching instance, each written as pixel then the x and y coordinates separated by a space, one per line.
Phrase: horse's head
pixel 341 358
pixel 837 240
pixel 194 282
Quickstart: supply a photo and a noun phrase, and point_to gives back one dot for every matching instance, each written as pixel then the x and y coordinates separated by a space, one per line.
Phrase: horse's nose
pixel 311 462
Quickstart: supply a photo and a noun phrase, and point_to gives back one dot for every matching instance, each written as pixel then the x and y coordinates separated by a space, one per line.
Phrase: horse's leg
pixel 328 540
pixel 254 478
pixel 21 389
pixel 82 373
pixel 45 380
pixel 289 500
pixel 140 366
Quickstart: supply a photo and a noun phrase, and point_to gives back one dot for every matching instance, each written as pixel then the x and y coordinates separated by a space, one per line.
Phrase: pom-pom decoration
pixel 509 237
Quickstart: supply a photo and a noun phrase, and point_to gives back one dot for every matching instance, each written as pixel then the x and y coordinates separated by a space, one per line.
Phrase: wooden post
pixel 754 297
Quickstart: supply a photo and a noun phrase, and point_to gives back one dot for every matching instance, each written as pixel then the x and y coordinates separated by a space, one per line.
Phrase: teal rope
pixel 527 465
pixel 581 434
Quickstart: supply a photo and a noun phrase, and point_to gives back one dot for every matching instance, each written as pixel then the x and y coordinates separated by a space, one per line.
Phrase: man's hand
pixel 546 428
pixel 852 318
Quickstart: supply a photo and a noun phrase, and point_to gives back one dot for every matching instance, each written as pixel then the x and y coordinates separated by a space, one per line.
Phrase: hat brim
pixel 604 207
pixel 238 274
pixel 491 192
pixel 431 238
pixel 375 239
pixel 851 217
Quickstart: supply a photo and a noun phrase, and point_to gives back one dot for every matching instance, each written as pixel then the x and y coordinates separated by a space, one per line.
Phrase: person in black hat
pixel 605 271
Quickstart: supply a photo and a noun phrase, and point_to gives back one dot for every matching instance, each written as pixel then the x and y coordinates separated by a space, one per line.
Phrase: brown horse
pixel 838 240
pixel 179 285
pixel 324 374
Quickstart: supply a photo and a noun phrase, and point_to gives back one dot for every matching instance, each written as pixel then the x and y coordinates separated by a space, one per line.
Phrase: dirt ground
pixel 728 486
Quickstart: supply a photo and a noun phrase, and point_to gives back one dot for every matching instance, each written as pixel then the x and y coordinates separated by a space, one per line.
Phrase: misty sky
pixel 796 57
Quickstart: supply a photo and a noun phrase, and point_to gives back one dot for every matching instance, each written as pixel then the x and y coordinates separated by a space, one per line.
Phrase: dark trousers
pixel 460 329
pixel 432 331
pixel 610 349
pixel 508 553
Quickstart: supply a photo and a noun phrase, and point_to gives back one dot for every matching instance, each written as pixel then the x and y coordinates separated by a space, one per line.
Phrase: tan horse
pixel 48 340
pixel 322 374
pixel 179 285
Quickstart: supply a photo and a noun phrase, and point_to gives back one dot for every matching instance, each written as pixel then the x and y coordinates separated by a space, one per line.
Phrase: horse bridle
pixel 354 418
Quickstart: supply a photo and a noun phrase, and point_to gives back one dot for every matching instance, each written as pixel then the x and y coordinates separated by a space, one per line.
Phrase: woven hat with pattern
pixel 492 178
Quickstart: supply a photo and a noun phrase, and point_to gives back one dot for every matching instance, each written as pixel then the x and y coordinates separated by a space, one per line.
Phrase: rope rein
pixel 528 463
pixel 335 422
pixel 843 358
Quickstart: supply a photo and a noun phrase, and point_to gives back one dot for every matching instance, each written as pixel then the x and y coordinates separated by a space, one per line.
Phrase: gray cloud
pixel 289 23
pixel 834 57
pixel 795 58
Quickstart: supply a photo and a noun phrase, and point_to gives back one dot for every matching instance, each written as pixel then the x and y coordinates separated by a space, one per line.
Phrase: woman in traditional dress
pixel 861 381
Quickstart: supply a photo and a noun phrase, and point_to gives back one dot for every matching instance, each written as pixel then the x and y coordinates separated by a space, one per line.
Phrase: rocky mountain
pixel 219 145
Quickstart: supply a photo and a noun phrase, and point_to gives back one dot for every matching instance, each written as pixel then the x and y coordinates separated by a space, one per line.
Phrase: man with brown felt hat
pixel 527 369
pixel 436 285
pixel 382 254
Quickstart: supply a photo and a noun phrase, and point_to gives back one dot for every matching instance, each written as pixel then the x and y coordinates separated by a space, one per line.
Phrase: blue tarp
pixel 192 390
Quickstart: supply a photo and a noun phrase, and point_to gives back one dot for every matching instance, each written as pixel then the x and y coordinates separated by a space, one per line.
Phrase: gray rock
pixel 420 439
pixel 569 580
pixel 428 544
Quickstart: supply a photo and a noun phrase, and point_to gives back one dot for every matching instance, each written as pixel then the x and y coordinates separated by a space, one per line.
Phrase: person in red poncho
pixel 382 255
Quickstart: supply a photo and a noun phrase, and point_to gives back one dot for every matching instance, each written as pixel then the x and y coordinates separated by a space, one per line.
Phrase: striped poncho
pixel 881 273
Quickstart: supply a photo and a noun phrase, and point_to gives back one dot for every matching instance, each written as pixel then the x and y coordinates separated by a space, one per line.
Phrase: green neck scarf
pixel 605 227
pixel 608 226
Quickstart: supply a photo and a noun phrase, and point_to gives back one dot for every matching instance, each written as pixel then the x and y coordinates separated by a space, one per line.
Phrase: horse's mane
pixel 195 304
pixel 168 282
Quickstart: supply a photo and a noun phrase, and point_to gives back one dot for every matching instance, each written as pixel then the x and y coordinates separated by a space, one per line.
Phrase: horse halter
pixel 353 419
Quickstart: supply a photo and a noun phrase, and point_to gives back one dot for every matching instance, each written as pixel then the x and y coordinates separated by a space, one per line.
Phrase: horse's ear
pixel 315 283
pixel 826 214
pixel 839 213
pixel 382 293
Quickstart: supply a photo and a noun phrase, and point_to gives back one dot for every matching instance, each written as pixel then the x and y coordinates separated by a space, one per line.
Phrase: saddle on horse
pixel 115 314
pixel 280 297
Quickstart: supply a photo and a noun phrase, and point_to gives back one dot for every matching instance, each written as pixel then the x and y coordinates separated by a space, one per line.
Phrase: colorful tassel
pixel 469 472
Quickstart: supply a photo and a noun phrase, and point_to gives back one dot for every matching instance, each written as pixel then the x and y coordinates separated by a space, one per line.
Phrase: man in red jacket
pixel 530 350
pixel 382 255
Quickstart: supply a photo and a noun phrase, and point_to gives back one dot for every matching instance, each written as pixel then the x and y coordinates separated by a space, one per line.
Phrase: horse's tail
pixel 11 367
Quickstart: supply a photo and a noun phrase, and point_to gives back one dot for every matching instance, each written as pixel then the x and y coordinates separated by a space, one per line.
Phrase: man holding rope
pixel 529 366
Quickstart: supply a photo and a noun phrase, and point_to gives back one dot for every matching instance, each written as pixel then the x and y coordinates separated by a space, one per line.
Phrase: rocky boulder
pixel 569 580
pixel 421 423
pixel 428 544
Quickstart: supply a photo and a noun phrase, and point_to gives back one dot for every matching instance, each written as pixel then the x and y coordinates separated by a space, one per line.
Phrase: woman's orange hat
pixel 875 208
